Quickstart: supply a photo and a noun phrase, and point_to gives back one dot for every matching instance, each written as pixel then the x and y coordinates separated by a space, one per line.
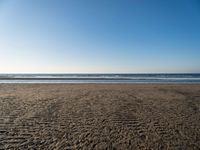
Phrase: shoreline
pixel 108 84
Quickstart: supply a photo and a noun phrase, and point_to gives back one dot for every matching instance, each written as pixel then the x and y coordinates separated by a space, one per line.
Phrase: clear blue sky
pixel 80 36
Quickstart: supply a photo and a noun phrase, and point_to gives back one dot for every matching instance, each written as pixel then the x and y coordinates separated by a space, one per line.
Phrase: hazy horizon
pixel 99 36
pixel 99 72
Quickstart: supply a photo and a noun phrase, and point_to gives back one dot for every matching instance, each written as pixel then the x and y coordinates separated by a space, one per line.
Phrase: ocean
pixel 102 78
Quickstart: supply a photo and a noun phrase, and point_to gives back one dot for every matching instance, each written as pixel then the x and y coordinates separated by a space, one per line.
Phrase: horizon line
pixel 101 73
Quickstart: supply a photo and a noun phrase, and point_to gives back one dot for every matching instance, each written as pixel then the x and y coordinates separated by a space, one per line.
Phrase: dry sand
pixel 99 116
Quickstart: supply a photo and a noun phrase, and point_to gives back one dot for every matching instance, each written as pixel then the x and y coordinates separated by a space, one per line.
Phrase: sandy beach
pixel 92 116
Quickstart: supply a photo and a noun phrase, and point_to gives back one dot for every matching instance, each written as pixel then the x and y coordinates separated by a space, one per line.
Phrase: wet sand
pixel 63 116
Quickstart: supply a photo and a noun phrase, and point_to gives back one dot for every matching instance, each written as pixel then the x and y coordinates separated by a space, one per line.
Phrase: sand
pixel 63 116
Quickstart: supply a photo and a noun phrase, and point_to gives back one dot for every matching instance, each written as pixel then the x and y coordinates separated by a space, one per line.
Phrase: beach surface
pixel 97 116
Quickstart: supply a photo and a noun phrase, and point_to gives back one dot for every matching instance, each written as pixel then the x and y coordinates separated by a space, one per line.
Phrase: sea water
pixel 102 78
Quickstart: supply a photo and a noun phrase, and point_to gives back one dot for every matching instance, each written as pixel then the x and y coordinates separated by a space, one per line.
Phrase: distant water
pixel 102 78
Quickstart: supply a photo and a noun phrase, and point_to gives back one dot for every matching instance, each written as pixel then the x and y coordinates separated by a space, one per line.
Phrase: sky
pixel 99 36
